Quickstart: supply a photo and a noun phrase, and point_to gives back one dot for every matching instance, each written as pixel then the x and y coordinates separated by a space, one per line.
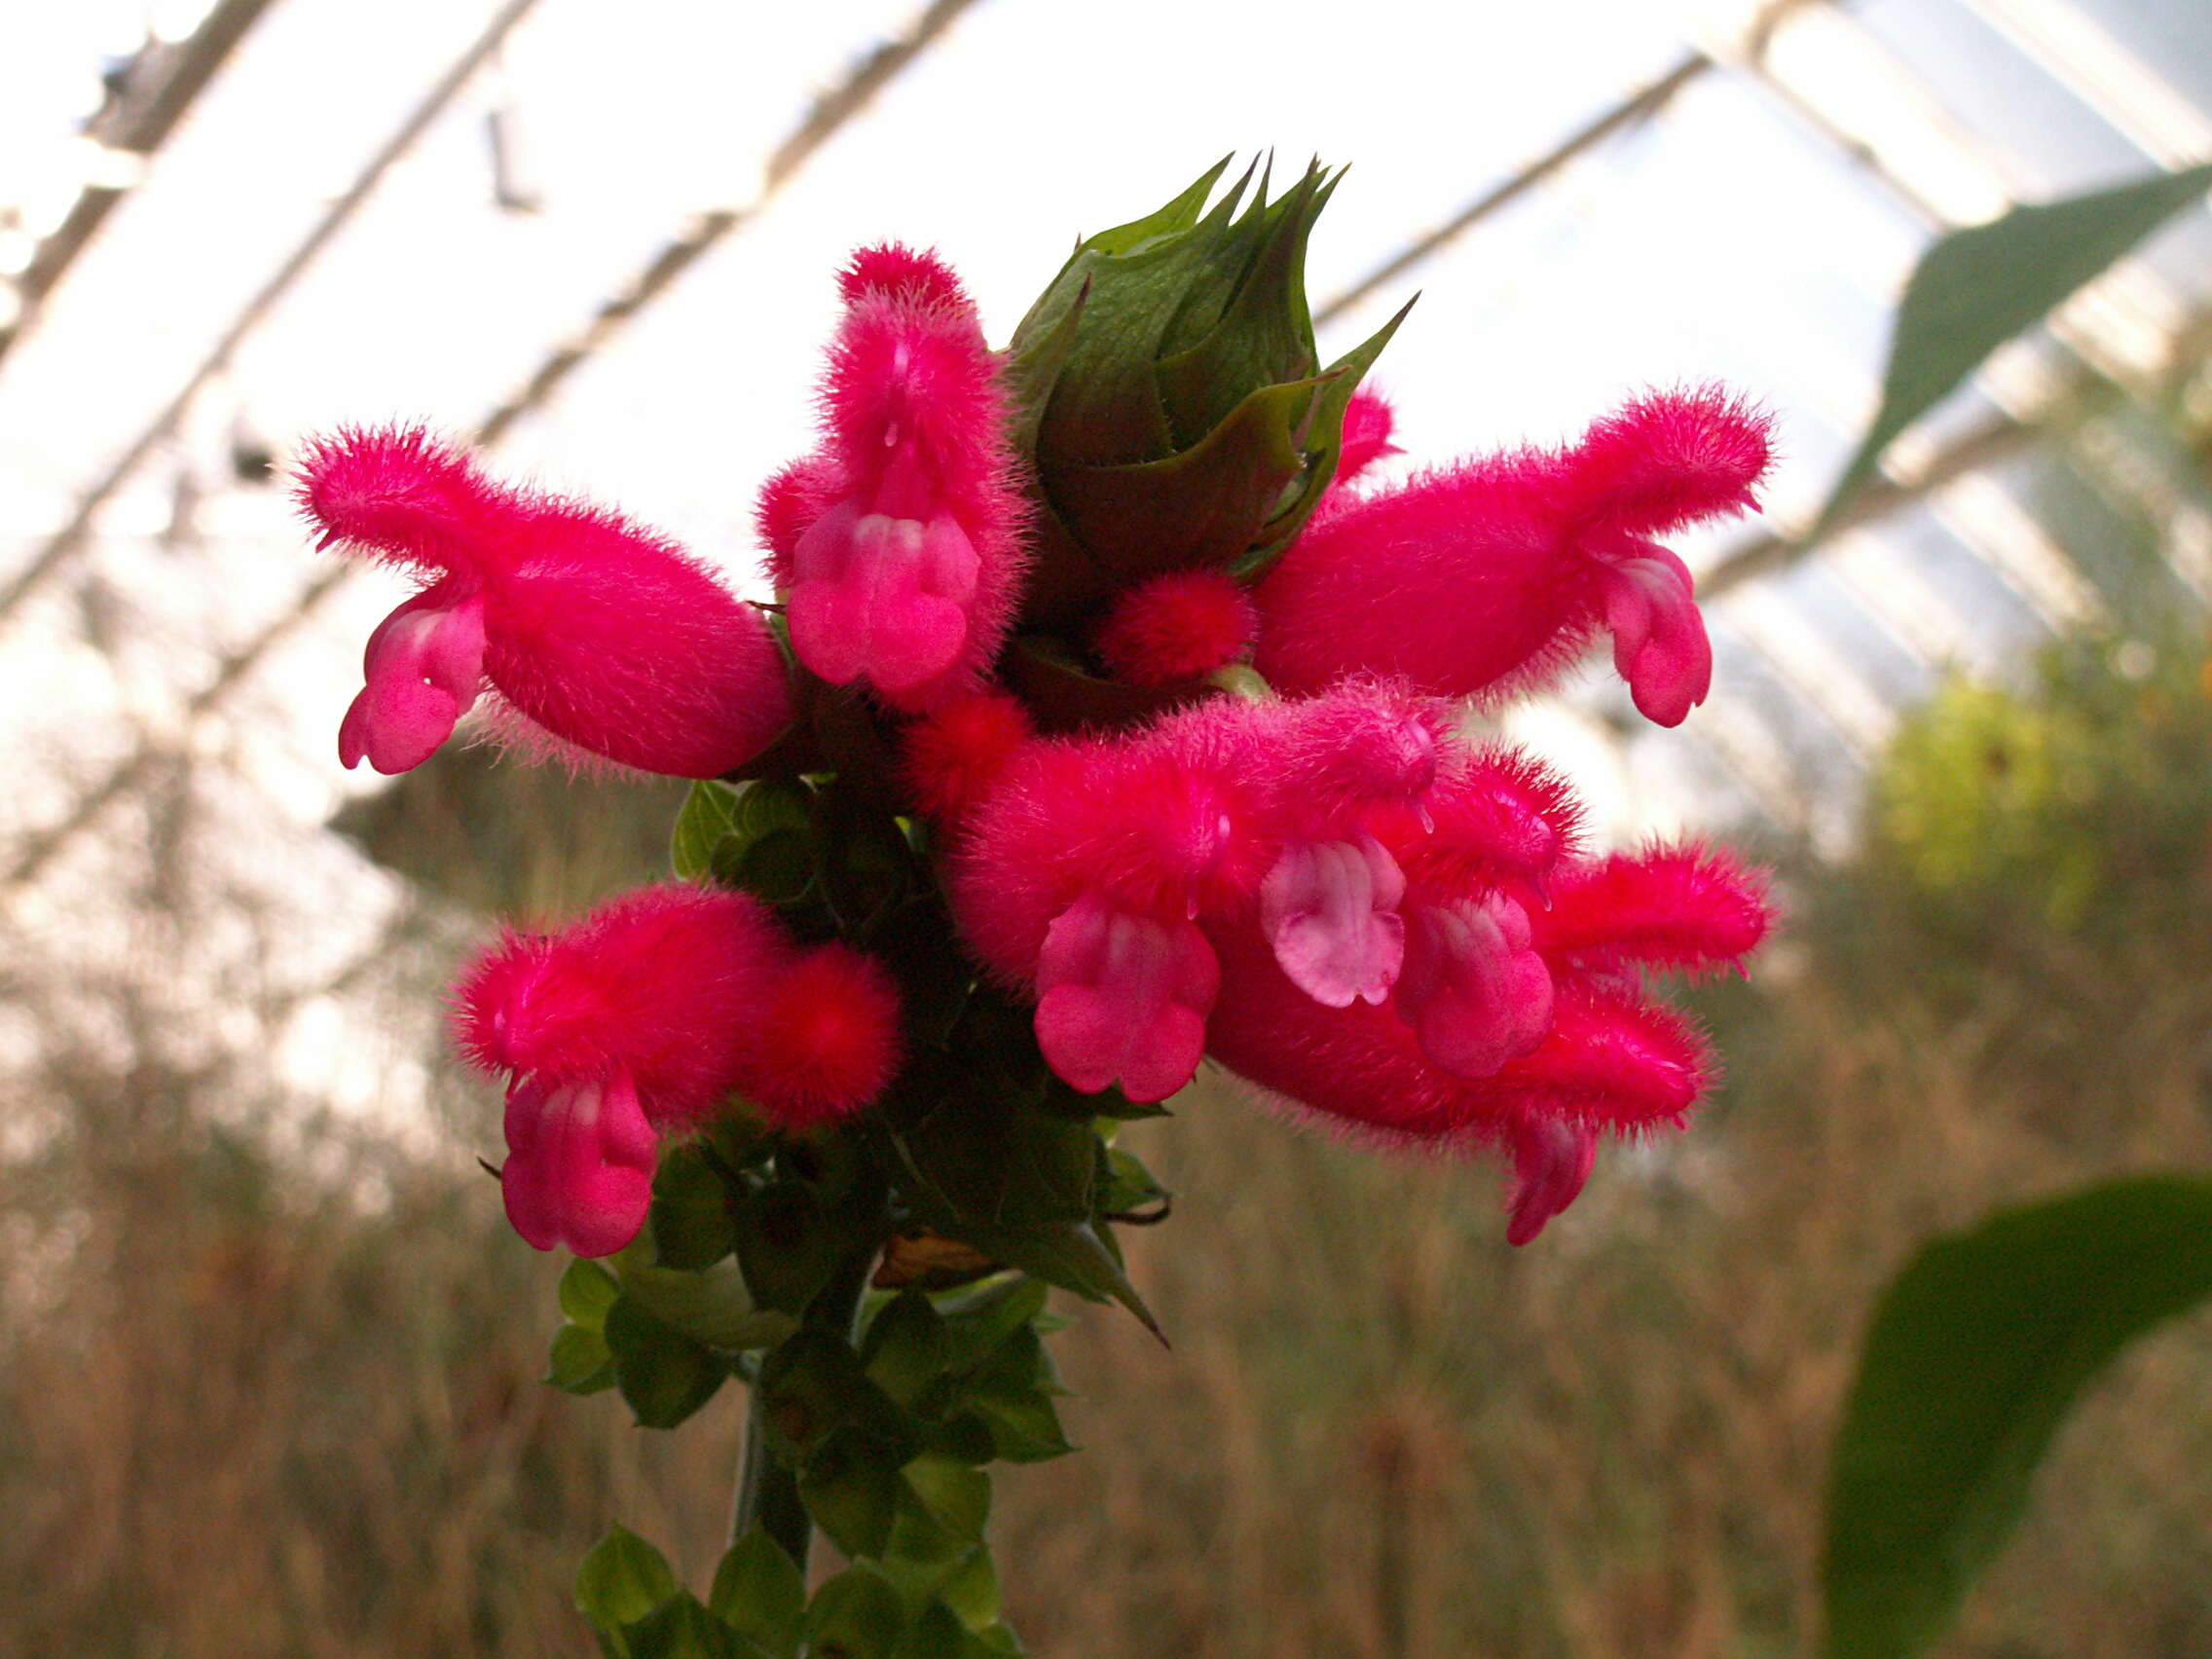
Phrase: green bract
pixel 1172 400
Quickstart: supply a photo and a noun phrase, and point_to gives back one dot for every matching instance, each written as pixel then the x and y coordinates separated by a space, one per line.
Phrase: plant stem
pixel 768 1492
pixel 767 1488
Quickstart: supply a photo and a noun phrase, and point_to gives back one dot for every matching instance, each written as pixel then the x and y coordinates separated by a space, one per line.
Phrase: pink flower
pixel 1493 575
pixel 649 1015
pixel 602 642
pixel 1122 997
pixel 897 547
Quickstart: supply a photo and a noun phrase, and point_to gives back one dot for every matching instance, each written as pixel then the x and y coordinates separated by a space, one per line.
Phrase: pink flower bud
pixel 1492 574
pixel 1685 908
pixel 1552 1159
pixel 958 752
pixel 602 640
pixel 1177 627
pixel 908 569
pixel 827 1041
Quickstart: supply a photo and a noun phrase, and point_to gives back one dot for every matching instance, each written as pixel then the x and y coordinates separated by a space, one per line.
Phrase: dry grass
pixel 239 1419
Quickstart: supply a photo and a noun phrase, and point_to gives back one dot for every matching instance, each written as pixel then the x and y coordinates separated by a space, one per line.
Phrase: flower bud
pixel 1182 418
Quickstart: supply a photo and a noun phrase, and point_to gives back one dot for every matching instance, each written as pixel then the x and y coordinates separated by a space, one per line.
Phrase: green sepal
pixel 621 1580
pixel 1062 695
pixel 664 1375
pixel 1204 506
pixel 1264 334
pixel 682 1628
pixel 715 1306
pixel 587 1291
pixel 691 1214
pixel 1323 444
pixel 850 1486
pixel 761 1594
pixel 579 1361
pixel 973 1593
pixel 856 1615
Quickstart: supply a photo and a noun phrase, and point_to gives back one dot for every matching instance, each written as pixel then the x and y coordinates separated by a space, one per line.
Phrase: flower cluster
pixel 1170 695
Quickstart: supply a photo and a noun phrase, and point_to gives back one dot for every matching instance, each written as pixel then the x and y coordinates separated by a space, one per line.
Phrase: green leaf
pixel 761 1594
pixel 906 1348
pixel 1979 288
pixel 681 1629
pixel 1071 1254
pixel 709 816
pixel 786 1244
pixel 715 1306
pixel 1202 506
pixel 851 1487
pixel 587 1291
pixel 691 1225
pixel 814 1387
pixel 937 1633
pixel 958 1497
pixel 1975 1353
pixel 973 1593
pixel 721 825
pixel 1323 443
pixel 856 1615
pixel 580 1362
pixel 623 1579
pixel 664 1375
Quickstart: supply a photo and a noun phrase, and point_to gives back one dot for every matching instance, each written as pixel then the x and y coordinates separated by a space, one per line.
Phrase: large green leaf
pixel 623 1579
pixel 1979 288
pixel 1978 1349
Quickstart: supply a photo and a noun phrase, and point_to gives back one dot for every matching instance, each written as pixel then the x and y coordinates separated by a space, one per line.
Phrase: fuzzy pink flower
pixel 599 639
pixel 1176 627
pixel 1475 991
pixel 648 1015
pixel 1493 575
pixel 909 565
pixel 1687 907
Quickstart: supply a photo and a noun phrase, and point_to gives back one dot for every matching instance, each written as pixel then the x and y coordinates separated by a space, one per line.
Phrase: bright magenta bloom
pixel 897 547
pixel 648 1016
pixel 602 642
pixel 1492 574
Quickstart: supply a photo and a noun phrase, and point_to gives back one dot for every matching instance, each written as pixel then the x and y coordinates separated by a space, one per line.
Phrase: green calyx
pixel 1174 406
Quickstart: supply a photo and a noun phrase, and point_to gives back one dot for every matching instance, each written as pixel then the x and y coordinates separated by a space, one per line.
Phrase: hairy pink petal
pixel 1474 991
pixel 1330 910
pixel 1124 998
pixel 580 1165
pixel 1552 1159
pixel 1686 908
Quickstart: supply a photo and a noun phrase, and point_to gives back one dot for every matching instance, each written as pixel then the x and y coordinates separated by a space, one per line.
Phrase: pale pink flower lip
pixel 1124 998
pixel 425 665
pixel 1475 992
pixel 1552 1161
pixel 579 1168
pixel 1330 909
